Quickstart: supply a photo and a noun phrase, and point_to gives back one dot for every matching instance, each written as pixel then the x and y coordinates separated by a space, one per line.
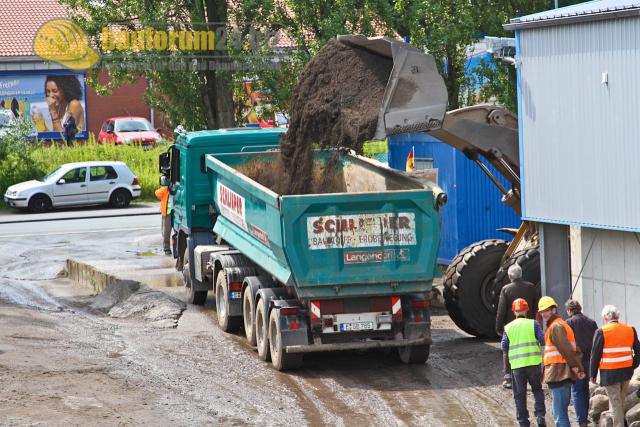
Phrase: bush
pixel 16 161
pixel 40 160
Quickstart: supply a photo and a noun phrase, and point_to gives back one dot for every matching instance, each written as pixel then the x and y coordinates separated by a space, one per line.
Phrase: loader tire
pixel 469 287
pixel 529 261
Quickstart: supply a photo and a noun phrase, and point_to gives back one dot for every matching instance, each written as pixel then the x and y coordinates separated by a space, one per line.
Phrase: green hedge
pixel 40 160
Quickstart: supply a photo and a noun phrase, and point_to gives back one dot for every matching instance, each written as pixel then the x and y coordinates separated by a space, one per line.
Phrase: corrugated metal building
pixel 579 99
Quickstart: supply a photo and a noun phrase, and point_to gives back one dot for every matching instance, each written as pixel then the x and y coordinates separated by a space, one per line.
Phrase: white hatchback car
pixel 74 184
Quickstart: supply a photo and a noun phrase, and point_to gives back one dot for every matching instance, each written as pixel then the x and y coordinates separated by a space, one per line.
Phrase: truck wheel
pixel 262 332
pixel 227 323
pixel 193 297
pixel 248 310
pixel 281 360
pixel 529 261
pixel 417 354
pixel 469 291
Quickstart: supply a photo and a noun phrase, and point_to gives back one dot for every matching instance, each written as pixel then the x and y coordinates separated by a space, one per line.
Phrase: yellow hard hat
pixel 546 303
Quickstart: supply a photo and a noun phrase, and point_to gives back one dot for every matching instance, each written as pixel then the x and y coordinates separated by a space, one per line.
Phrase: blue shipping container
pixel 474 211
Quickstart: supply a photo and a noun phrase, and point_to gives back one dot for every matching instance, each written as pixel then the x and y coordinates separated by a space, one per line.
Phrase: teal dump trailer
pixel 304 273
pixel 345 269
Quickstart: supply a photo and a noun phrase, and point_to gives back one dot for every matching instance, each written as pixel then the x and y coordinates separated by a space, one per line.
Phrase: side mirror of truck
pixel 164 181
pixel 165 163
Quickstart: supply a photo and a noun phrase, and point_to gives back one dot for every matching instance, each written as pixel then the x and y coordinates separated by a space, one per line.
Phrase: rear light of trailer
pixel 420 304
pixel 135 181
pixel 289 311
pixel 235 286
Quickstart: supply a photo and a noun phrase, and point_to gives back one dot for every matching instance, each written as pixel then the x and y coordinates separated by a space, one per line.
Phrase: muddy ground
pixel 62 365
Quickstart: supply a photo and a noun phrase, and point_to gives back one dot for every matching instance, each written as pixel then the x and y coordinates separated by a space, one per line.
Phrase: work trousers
pixel 520 377
pixel 617 395
pixel 506 366
pixel 166 232
pixel 561 397
pixel 580 396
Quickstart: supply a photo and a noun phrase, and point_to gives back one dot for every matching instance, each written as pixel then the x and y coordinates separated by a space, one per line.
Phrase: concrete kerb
pixel 88 276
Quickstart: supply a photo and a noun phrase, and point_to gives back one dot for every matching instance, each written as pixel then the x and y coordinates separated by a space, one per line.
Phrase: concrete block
pixel 633 414
pixel 598 404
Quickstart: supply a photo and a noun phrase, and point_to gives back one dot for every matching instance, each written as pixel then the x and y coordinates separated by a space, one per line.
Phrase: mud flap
pixel 415 330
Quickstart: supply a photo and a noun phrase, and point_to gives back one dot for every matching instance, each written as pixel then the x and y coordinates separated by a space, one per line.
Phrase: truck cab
pixel 189 185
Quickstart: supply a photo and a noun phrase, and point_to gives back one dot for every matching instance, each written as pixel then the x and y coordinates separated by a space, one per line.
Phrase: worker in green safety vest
pixel 523 340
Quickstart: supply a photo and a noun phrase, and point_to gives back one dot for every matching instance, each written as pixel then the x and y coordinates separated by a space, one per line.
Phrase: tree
pixel 196 98
pixel 446 27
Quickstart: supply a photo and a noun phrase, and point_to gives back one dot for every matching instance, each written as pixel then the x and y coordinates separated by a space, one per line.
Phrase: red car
pixel 128 130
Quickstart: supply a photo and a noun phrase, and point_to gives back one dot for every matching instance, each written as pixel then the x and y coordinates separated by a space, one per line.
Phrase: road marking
pixel 79 232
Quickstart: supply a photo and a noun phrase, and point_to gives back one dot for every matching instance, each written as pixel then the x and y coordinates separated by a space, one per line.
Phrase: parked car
pixel 128 130
pixel 76 184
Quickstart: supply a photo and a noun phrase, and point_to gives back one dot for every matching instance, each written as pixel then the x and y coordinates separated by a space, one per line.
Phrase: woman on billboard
pixel 64 95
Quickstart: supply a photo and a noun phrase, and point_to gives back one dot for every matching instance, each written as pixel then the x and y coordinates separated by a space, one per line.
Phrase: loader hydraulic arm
pixel 491 132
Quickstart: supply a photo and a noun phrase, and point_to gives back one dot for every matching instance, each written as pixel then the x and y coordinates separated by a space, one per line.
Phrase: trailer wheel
pixel 248 311
pixel 469 288
pixel 417 354
pixel 193 297
pixel 262 332
pixel 227 323
pixel 281 360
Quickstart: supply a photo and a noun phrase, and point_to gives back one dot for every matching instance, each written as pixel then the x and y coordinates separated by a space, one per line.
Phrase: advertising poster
pixel 48 100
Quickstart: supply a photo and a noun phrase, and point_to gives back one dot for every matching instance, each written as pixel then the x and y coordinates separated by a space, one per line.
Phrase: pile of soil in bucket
pixel 335 104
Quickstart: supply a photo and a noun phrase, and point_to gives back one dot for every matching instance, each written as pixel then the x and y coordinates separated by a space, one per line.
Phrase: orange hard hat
pixel 519 304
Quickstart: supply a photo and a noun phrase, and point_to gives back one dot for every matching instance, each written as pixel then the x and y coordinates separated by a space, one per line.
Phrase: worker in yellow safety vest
pixel 562 360
pixel 616 354
pixel 162 194
pixel 522 340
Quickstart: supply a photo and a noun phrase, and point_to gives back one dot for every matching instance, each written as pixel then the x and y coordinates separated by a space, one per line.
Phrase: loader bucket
pixel 415 99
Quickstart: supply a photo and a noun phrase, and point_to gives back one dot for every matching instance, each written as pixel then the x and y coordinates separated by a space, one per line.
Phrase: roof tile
pixel 19 23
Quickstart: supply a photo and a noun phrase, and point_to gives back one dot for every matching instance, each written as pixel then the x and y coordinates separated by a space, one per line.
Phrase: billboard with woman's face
pixel 50 101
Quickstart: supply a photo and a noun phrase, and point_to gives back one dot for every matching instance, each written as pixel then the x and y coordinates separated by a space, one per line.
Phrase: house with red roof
pixel 44 90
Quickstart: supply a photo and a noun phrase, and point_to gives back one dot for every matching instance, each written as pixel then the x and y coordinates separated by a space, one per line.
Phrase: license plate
pixel 356 326
pixel 235 295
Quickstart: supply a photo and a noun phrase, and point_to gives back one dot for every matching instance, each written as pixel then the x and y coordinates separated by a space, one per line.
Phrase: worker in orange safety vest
pixel 616 354
pixel 162 194
pixel 561 359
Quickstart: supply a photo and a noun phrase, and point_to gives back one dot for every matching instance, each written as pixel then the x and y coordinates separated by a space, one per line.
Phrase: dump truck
pixel 304 273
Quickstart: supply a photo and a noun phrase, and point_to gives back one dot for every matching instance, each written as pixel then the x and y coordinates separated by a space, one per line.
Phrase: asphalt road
pixel 80 221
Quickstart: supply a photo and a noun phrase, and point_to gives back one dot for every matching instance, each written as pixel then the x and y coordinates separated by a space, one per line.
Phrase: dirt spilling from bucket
pixel 335 104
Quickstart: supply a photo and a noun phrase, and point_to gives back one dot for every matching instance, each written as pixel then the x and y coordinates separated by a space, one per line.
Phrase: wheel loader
pixel 415 100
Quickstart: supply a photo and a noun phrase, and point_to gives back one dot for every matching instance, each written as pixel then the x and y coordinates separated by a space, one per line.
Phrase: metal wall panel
pixel 474 211
pixel 581 137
